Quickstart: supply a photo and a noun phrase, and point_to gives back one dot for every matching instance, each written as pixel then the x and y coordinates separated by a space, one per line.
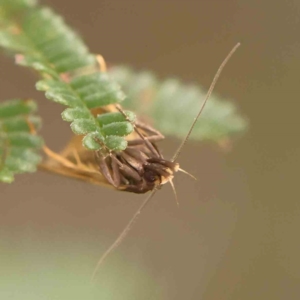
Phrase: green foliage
pixel 173 106
pixel 18 146
pixel 50 47
pixel 42 41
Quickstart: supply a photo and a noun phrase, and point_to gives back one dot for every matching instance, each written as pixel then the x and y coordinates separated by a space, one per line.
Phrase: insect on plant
pixel 140 168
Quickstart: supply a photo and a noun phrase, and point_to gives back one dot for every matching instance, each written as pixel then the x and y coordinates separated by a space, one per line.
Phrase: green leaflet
pixel 18 147
pixel 174 105
pixel 41 40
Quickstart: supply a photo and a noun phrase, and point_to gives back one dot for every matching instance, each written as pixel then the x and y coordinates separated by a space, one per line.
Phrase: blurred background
pixel 235 234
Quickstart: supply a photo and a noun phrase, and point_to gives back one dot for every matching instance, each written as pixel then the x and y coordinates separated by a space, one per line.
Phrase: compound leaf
pixel 18 144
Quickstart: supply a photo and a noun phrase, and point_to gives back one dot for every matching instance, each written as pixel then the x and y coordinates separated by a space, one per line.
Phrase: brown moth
pixel 139 168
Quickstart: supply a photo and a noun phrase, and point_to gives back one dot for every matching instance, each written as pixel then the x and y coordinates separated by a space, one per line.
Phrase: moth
pixel 140 168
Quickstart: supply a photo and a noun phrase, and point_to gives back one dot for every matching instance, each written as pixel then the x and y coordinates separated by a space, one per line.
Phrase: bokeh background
pixel 236 232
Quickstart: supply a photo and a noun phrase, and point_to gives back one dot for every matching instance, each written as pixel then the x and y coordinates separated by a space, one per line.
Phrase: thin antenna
pixel 123 234
pixel 212 86
pixel 125 231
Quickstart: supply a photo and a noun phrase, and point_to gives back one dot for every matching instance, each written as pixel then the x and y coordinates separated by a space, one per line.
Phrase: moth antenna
pixel 212 86
pixel 187 173
pixel 101 62
pixel 123 234
pixel 174 190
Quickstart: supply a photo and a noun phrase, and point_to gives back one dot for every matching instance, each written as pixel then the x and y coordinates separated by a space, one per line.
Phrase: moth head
pixel 158 171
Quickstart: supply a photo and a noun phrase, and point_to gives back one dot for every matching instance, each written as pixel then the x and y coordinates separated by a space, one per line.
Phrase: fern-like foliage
pixel 18 146
pixel 173 106
pixel 41 40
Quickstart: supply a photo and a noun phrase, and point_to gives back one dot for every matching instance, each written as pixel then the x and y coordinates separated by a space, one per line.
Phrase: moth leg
pixel 148 140
pixel 136 129
pixel 130 173
pixel 112 176
pixel 150 129
pixel 156 137
pixel 119 173
pixel 135 159
pixel 140 141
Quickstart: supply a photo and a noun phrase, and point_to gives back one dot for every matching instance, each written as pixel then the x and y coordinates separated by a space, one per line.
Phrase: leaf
pixel 173 106
pixel 46 44
pixel 42 41
pixel 18 146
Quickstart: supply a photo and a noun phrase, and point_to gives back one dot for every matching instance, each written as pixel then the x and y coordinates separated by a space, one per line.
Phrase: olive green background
pixel 236 232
